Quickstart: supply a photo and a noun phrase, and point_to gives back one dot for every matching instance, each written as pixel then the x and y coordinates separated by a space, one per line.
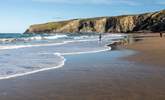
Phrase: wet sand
pixel 97 76
pixel 151 50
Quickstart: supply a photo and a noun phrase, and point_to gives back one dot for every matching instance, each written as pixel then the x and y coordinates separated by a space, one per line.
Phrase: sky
pixel 17 15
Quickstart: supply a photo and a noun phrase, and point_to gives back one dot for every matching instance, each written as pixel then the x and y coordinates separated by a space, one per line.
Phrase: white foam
pixel 38 37
pixel 94 51
pixel 58 66
pixel 55 36
pixel 38 45
pixel 106 48
pixel 36 71
pixel 7 40
pixel 27 46
pixel 111 36
pixel 50 37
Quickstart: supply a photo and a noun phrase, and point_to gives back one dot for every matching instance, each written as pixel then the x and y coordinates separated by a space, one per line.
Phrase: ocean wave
pixel 57 49
pixel 27 46
pixel 46 37
pixel 6 47
pixel 7 40
pixel 111 37
pixel 31 38
pixel 55 37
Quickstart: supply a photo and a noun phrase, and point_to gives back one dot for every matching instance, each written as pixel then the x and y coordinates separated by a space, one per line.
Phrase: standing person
pixel 161 34
pixel 100 36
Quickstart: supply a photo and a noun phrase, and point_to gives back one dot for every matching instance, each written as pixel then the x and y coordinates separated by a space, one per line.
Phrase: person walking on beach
pixel 161 34
pixel 100 37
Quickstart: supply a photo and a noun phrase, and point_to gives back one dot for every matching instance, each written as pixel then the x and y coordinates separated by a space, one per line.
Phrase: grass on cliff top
pixel 57 25
pixel 50 25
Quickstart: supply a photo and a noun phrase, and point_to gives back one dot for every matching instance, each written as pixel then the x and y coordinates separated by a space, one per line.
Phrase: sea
pixel 23 54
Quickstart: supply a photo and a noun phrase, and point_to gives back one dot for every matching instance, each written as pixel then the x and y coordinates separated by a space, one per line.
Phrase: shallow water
pixel 22 57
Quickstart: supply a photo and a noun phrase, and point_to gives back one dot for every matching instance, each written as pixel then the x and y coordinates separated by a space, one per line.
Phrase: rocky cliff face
pixel 148 22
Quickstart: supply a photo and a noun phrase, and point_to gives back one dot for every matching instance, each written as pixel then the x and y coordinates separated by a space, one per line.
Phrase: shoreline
pixel 136 39
pixel 150 48
pixel 61 55
pixel 96 76
pixel 56 67
pixel 119 45
pixel 93 76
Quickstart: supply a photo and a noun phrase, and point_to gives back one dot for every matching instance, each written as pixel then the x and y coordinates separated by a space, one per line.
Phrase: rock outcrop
pixel 148 22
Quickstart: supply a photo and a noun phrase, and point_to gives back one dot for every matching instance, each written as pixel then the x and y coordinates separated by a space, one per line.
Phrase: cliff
pixel 148 22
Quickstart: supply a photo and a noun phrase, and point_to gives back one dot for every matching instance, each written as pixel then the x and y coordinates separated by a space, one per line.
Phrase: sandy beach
pixel 82 50
pixel 151 49
pixel 97 76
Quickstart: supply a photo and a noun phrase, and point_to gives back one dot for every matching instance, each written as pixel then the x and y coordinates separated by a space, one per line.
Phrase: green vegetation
pixel 149 22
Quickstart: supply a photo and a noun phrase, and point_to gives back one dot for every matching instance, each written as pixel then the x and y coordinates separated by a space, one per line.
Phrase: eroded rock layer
pixel 148 22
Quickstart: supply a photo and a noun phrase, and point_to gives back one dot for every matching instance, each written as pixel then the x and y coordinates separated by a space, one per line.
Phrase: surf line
pixel 45 69
pixel 36 71
pixel 76 53
pixel 95 51
pixel 58 66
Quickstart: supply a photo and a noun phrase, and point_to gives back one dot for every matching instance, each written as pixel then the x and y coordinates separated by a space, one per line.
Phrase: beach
pixel 107 75
pixel 150 49
pixel 82 50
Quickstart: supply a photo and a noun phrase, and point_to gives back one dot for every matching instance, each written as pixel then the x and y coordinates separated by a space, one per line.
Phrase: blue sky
pixel 18 15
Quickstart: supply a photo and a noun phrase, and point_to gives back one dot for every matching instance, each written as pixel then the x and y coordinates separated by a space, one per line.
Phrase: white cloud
pixel 105 2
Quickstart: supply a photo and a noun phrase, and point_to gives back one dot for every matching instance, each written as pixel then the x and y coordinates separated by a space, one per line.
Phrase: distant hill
pixel 147 22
